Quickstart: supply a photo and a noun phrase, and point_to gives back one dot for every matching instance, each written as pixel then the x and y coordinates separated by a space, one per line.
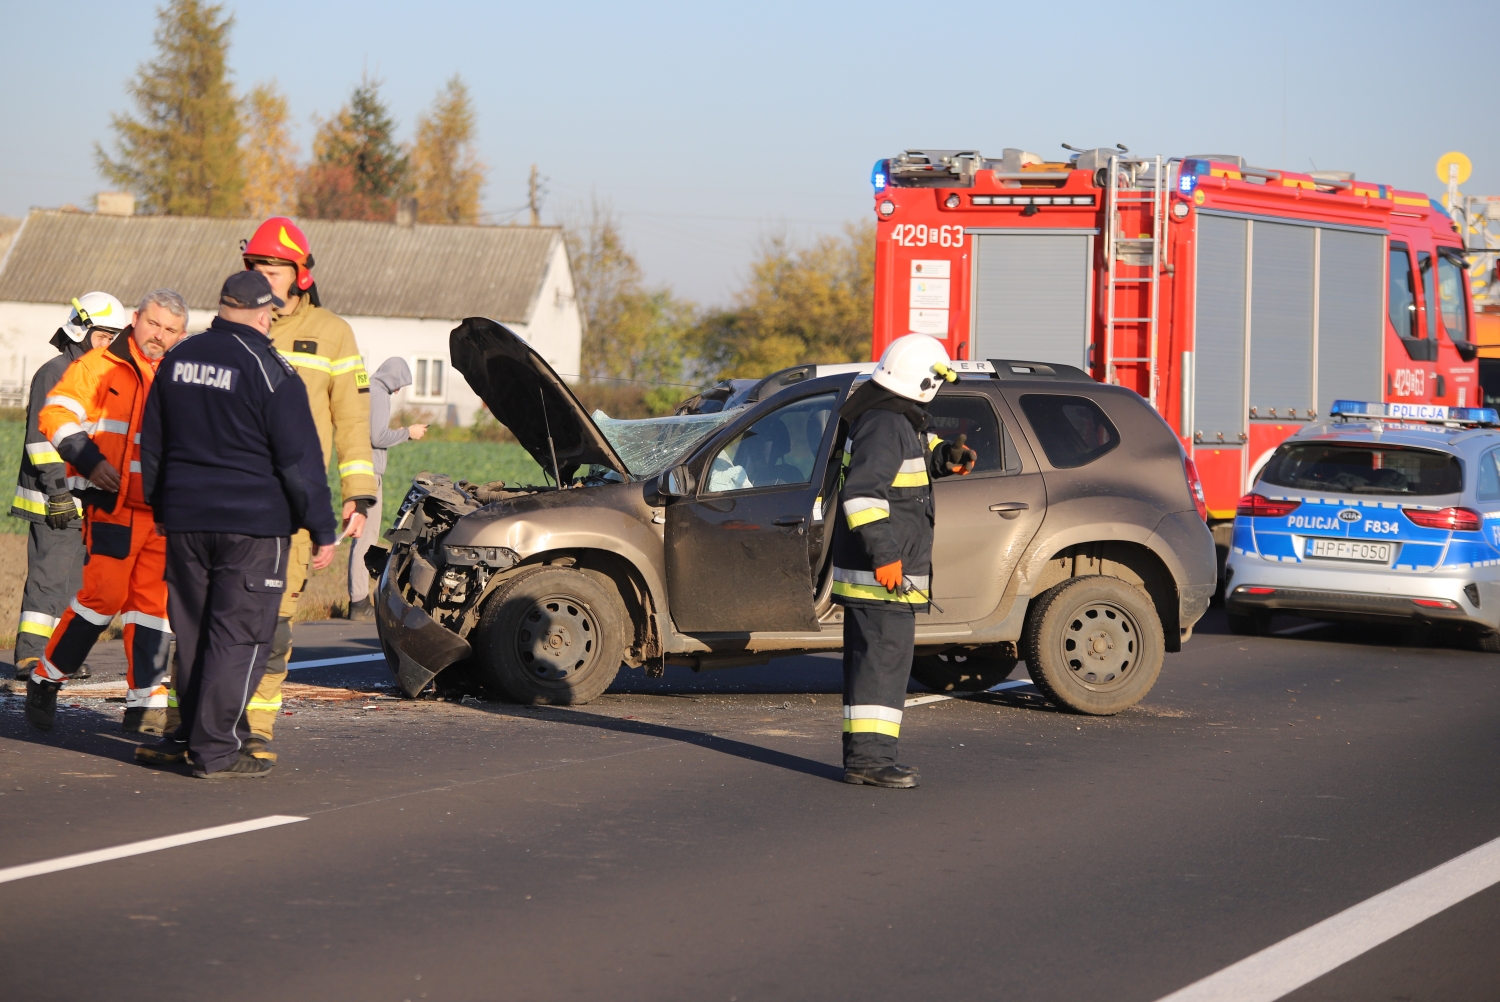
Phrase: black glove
pixel 62 510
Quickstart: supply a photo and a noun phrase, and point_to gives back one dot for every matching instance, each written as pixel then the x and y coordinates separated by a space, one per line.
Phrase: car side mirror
pixel 676 483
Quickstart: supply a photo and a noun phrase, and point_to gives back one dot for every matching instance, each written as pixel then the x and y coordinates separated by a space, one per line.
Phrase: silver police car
pixel 1387 513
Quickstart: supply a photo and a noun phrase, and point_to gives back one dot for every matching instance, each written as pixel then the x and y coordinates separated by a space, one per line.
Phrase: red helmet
pixel 280 240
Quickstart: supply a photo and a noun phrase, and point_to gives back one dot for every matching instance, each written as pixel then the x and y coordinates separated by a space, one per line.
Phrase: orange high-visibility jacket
pixel 94 413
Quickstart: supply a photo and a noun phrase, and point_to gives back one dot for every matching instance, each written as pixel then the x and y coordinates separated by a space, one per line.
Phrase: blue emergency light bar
pixel 1427 413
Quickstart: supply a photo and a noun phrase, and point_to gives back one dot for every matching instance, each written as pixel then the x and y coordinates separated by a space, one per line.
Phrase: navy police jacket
pixel 228 442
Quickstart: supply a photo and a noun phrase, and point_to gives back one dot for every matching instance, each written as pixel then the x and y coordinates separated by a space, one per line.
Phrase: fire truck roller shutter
pixel 1219 332
pixel 1351 321
pixel 1031 296
pixel 1281 320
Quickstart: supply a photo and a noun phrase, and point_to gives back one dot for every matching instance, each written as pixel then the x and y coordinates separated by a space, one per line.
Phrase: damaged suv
pixel 703 539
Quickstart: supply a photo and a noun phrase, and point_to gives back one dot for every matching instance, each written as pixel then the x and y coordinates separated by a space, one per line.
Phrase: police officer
pixel 882 549
pixel 44 496
pixel 232 468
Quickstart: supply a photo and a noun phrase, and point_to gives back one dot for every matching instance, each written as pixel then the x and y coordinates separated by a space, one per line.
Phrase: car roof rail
pixel 1007 368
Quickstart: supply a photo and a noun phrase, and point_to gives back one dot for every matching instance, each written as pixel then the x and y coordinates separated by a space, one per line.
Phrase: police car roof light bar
pixel 1484 417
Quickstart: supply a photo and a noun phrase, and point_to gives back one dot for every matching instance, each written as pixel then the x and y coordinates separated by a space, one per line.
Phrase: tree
pixel 812 304
pixel 181 156
pixel 445 166
pixel 269 156
pixel 358 171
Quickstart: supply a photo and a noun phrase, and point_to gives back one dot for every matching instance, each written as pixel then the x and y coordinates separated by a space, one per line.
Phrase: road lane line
pixel 1297 960
pixel 137 848
pixel 1012 684
pixel 324 662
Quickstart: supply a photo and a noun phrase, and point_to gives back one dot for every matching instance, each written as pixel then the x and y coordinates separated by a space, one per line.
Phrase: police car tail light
pixel 1435 603
pixel 1454 519
pixel 1195 486
pixel 1256 506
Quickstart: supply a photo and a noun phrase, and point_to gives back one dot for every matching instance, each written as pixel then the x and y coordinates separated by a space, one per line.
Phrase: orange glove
pixel 889 576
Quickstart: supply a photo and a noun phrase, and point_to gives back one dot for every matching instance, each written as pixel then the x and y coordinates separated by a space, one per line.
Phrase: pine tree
pixel 181 156
pixel 270 158
pixel 358 171
pixel 445 166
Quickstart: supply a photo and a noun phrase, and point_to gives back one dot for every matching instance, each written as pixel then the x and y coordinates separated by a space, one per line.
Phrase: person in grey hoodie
pixel 392 375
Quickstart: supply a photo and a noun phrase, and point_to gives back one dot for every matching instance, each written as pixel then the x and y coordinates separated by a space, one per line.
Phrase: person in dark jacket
pixel 389 379
pixel 232 468
pixel 44 497
pixel 882 549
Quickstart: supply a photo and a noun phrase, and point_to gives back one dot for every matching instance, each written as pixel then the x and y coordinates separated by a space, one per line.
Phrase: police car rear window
pixel 1364 469
pixel 1073 431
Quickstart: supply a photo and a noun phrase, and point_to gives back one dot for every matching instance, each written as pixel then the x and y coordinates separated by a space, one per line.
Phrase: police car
pixel 1387 513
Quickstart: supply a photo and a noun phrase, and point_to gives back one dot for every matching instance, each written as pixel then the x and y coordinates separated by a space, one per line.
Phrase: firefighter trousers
pixel 225 591
pixel 123 573
pixel 266 702
pixel 878 644
pixel 54 573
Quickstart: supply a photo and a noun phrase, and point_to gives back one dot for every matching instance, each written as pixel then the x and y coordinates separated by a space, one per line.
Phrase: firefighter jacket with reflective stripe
pixel 43 471
pixel 94 414
pixel 228 443
pixel 885 510
pixel 320 345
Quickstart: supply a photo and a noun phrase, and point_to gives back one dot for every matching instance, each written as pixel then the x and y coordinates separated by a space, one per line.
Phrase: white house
pixel 402 288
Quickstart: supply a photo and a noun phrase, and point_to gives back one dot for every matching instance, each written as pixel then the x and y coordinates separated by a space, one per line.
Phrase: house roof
pixel 363 269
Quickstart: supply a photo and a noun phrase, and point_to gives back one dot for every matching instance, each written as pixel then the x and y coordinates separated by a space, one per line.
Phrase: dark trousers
pixel 877 664
pixel 54 573
pixel 225 590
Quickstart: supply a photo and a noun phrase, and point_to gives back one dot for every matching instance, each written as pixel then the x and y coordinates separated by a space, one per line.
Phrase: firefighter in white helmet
pixel 882 548
pixel 44 497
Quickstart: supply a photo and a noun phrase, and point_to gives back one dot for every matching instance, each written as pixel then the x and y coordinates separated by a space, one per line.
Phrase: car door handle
pixel 1009 509
pixel 790 520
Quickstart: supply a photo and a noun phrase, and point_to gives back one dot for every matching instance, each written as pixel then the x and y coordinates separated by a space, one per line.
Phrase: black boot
pixel 893 777
pixel 362 611
pixel 246 766
pixel 41 703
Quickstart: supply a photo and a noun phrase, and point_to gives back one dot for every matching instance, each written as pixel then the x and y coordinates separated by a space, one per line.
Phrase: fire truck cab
pixel 1240 301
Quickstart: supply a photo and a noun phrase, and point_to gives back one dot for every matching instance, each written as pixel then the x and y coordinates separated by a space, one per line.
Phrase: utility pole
pixel 536 210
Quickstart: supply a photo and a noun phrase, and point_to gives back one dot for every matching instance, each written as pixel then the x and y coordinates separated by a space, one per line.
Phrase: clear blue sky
pixel 710 126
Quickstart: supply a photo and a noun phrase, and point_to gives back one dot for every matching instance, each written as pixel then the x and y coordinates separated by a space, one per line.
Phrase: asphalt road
pixel 689 839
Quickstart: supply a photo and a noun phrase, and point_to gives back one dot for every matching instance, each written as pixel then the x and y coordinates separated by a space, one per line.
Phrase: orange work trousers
pixel 124 573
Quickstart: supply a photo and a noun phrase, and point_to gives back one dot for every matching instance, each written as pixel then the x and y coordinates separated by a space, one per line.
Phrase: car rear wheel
pixel 964 671
pixel 552 636
pixel 1094 644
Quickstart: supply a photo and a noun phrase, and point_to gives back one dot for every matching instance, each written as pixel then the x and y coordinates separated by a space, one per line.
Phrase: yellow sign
pixel 1454 158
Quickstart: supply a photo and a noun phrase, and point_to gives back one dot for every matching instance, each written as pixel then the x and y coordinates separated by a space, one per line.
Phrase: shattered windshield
pixel 650 445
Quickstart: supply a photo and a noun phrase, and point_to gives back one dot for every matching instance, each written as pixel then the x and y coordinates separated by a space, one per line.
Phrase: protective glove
pixel 61 510
pixel 889 576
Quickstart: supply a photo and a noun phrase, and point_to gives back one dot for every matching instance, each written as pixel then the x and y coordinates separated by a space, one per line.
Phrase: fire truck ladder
pixel 1134 181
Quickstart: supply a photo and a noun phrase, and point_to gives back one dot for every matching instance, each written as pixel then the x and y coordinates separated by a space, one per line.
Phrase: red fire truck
pixel 1240 301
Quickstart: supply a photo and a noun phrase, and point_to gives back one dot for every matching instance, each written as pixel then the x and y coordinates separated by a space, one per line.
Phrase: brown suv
pixel 703 539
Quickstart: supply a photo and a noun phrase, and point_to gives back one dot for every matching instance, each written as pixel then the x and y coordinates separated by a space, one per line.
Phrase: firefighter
pixel 44 495
pixel 93 419
pixel 882 549
pixel 320 345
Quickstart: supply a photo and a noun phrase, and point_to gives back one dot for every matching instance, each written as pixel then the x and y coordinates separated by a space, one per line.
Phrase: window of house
pixel 427 379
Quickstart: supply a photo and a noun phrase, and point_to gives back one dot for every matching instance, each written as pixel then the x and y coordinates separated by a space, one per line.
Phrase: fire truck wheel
pixel 1093 644
pixel 551 636
pixel 965 671
pixel 1250 624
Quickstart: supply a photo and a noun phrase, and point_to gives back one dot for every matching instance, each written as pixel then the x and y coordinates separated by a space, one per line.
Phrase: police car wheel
pixel 1093 644
pixel 1487 642
pixel 551 636
pixel 964 671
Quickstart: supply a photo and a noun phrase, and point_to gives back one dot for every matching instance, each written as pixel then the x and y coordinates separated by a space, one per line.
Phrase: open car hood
pixel 516 383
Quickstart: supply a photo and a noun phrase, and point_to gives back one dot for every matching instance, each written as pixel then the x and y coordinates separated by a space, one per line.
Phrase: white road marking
pixel 323 662
pixel 1297 960
pixel 1012 684
pixel 137 848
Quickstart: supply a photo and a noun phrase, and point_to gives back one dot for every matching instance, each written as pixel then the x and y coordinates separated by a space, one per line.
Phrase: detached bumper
pixel 416 647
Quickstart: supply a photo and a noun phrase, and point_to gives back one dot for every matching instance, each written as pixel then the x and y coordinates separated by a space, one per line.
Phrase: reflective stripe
pixel 57 399
pixel 349 364
pixel 868 578
pixel 30 500
pixel 154 697
pixel 137 439
pixel 46 671
pixel 89 615
pixel 356 466
pixel 38 623
pixel 114 427
pixel 872 719
pixel 848 452
pixel 878 593
pixel 135 466
pixel 150 622
pixel 863 511
pixel 67 431
pixel 933 441
pixel 918 465
pixel 306 361
pixel 264 704
pixel 907 478
pixel 171 697
pixel 80 484
pixel 42 452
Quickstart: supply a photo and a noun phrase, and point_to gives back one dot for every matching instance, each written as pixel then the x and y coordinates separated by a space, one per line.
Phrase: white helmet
pixel 914 366
pixel 95 309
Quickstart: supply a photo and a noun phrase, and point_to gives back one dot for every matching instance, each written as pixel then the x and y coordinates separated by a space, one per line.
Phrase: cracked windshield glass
pixel 650 445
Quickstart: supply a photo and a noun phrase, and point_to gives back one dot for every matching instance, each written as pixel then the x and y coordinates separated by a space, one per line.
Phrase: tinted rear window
pixel 1072 431
pixel 1364 469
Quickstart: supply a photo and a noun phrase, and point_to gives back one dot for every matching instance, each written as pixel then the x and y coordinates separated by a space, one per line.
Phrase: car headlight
pixel 498 558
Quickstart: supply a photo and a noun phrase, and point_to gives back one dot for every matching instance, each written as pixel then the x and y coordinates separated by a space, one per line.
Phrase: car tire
pixel 1094 644
pixel 1250 624
pixel 1487 642
pixel 552 636
pixel 963 671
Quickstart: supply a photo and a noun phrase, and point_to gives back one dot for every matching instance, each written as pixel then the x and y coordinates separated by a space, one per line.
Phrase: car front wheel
pixel 551 636
pixel 1094 644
